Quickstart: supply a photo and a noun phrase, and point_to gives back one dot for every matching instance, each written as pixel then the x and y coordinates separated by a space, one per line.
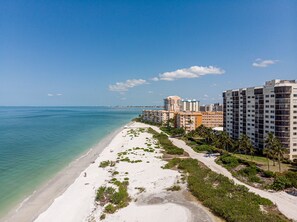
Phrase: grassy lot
pixel 262 162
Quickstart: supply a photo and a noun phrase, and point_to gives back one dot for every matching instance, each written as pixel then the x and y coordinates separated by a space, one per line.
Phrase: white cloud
pixel 263 63
pixel 150 92
pixel 205 95
pixel 155 79
pixel 53 94
pixel 125 86
pixel 189 73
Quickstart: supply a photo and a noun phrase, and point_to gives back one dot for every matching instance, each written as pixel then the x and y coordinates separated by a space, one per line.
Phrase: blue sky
pixel 112 52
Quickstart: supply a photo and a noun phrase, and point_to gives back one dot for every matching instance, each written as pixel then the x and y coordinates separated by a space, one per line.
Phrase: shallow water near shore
pixel 37 142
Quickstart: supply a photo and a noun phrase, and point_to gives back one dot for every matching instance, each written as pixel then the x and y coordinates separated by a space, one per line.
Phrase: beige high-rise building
pixel 188 120
pixel 212 119
pixel 172 103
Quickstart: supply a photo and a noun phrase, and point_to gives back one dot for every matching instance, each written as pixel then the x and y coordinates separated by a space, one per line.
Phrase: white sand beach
pixel 152 203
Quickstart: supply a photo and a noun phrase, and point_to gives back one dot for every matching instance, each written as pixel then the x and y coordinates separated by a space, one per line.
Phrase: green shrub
pixel 231 202
pixel 204 147
pixel 166 143
pixel 115 173
pixel 229 160
pixel 110 209
pixel 292 177
pixel 103 216
pixel 268 174
pixel 173 162
pixel 249 171
pixel 174 188
pixel 116 198
pixel 281 182
pixel 106 163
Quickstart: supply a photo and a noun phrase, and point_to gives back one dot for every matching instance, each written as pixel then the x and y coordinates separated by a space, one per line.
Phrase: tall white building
pixel 255 111
pixel 190 105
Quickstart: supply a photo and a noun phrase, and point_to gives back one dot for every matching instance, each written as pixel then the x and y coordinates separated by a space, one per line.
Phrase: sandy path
pixel 286 203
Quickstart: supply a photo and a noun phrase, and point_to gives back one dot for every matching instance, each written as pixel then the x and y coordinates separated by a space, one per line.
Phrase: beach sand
pixel 75 201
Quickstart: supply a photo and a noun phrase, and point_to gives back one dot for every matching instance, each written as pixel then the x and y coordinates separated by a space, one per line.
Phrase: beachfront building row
pixel 187 120
pixel 256 111
pixel 216 107
pixel 157 116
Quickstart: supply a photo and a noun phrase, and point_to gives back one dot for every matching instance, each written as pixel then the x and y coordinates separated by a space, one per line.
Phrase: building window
pixel 272 95
pixel 267 96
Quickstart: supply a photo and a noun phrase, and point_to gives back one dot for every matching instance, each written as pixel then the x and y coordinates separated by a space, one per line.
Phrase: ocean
pixel 38 142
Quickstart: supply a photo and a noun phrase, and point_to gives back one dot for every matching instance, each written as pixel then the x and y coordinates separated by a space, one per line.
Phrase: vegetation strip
pixel 166 143
pixel 231 202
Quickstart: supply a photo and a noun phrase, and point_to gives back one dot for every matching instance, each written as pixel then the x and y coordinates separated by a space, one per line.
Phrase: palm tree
pixel 225 140
pixel 279 151
pixel 268 149
pixel 245 144
pixel 251 149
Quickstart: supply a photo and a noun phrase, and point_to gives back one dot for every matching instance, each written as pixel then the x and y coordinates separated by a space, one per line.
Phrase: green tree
pixel 268 149
pixel 279 151
pixel 245 144
pixel 225 140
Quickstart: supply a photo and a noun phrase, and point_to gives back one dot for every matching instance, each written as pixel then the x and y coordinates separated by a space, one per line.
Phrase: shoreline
pixel 29 208
pixel 133 156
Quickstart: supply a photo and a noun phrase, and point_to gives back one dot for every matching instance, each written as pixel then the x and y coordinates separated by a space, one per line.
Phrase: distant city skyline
pixel 139 52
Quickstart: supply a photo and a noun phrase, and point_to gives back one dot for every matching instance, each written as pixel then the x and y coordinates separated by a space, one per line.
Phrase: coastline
pixel 137 159
pixel 33 205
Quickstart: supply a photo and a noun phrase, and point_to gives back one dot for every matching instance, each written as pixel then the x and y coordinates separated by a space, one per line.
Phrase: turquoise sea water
pixel 37 142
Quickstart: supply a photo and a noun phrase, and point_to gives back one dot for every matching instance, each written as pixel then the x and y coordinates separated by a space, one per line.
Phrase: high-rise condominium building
pixel 188 120
pixel 190 105
pixel 216 107
pixel 172 103
pixel 212 119
pixel 256 111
